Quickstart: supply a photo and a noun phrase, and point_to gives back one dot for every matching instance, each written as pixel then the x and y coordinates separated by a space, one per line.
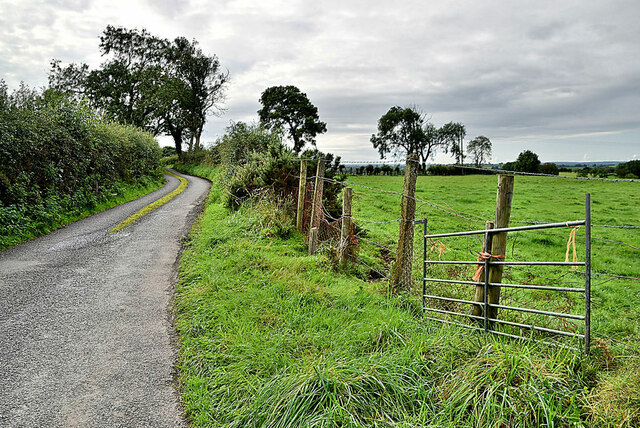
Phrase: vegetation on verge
pixel 60 160
pixel 272 337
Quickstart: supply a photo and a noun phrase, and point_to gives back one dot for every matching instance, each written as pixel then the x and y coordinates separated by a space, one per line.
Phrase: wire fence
pixel 374 242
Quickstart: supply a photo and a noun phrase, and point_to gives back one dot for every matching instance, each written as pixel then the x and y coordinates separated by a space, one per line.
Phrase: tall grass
pixel 270 336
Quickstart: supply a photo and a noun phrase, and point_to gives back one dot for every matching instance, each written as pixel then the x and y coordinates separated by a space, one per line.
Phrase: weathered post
pixel 302 187
pixel 345 232
pixel 316 207
pixel 499 242
pixel 401 272
pixel 313 241
pixel 480 288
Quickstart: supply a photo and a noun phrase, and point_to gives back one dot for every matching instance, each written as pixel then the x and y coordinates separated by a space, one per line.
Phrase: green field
pixel 270 336
pixel 465 203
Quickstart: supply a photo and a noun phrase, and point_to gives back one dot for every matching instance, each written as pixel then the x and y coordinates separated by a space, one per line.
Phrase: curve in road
pixel 86 337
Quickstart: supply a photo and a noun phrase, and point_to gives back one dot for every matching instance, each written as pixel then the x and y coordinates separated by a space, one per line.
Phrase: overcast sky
pixel 561 78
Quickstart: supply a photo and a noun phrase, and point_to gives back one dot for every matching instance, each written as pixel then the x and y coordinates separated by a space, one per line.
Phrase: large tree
pixel 405 130
pixel 527 162
pixel 203 83
pixel 452 136
pixel 288 109
pixel 150 82
pixel 479 149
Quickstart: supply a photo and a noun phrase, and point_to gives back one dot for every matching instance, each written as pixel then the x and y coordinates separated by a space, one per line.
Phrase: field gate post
pixel 481 293
pixel 587 274
pixel 401 272
pixel 302 187
pixel 345 232
pixel 316 207
pixel 499 241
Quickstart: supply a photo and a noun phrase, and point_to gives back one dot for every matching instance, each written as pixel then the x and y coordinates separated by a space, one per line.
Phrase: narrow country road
pixel 86 338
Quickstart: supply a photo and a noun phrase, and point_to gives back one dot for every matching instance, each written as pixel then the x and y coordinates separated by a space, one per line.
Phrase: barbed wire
pixel 452 211
pixel 376 222
pixel 544 175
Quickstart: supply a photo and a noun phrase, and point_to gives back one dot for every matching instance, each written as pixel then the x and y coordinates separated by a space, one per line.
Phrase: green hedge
pixel 57 155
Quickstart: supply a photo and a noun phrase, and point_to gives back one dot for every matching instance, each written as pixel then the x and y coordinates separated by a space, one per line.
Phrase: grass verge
pixel 56 213
pixel 270 336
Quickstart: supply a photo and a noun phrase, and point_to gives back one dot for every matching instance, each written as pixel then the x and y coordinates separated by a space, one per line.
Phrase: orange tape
pixel 482 256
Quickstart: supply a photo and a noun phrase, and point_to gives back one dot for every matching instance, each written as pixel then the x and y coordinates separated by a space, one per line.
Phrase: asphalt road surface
pixel 86 338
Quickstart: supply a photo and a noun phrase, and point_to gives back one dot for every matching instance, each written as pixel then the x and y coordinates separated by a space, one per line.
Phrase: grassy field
pixel 270 336
pixel 464 203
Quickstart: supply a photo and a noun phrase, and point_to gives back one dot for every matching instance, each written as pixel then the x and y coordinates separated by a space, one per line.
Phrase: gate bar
pixel 500 284
pixel 510 229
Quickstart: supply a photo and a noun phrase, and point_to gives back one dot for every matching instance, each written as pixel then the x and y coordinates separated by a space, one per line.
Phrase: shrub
pixel 629 169
pixel 58 155
pixel 549 168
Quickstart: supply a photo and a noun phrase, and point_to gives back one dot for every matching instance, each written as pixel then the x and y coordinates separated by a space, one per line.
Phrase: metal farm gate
pixel 486 307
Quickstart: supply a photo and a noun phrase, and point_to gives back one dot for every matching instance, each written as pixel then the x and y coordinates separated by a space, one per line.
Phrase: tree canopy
pixel 527 162
pixel 405 130
pixel 479 149
pixel 452 136
pixel 162 86
pixel 288 109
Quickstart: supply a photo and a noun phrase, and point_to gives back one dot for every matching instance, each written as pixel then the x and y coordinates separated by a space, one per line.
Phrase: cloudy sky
pixel 561 77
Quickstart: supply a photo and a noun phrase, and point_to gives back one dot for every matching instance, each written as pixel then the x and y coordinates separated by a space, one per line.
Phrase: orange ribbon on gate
pixel 482 256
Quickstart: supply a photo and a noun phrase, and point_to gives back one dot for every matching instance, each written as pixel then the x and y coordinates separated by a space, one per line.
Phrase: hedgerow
pixel 58 155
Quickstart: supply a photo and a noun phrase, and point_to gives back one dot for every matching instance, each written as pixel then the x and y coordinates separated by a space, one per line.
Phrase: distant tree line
pixel 162 86
pixel 406 130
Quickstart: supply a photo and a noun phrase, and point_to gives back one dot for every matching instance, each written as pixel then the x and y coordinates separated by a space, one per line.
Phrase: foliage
pixel 480 150
pixel 269 337
pixel 286 108
pixel 549 168
pixel 59 155
pixel 527 162
pixel 149 82
pixel 629 169
pixel 452 170
pixel 168 151
pixel 402 131
pixel 452 136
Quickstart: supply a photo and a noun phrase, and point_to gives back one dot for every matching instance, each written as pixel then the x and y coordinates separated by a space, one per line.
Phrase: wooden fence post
pixel 313 240
pixel 401 272
pixel 499 242
pixel 316 207
pixel 478 310
pixel 345 232
pixel 302 187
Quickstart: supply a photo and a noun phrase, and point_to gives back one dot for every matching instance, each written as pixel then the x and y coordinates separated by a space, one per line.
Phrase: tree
pixel 150 82
pixel 289 109
pixel 452 136
pixel 549 168
pixel 527 162
pixel 403 131
pixel 202 87
pixel 479 149
pixel 629 169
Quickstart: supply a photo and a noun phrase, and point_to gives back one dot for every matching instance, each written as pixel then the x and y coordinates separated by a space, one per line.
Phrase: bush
pixel 444 170
pixel 549 168
pixel 629 169
pixel 58 155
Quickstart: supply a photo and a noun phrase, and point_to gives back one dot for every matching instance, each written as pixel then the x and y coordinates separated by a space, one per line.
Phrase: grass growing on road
pixel 154 205
pixel 56 213
pixel 270 336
